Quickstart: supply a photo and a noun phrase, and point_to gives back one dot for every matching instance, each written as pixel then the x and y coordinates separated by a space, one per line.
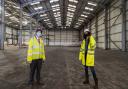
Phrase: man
pixel 86 56
pixel 36 55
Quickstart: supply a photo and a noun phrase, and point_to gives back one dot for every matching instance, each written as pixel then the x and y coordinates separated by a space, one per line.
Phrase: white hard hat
pixel 86 30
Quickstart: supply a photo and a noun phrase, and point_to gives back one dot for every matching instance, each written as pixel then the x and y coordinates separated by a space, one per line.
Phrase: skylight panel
pixel 84 15
pixel 34 3
pixel 43 15
pixel 73 6
pixel 55 5
pixel 86 12
pixel 51 1
pixel 87 8
pixel 75 1
pixel 92 3
pixel 38 8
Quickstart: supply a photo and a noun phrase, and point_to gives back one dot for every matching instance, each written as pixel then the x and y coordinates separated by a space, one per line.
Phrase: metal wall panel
pixel 114 27
pixel 93 28
pixel 115 32
pixel 51 37
pixel 11 36
pixel 101 30
pixel 25 37
pixel 8 30
pixel 63 38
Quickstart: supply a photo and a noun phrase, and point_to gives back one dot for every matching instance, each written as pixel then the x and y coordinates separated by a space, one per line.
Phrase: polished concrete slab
pixel 63 70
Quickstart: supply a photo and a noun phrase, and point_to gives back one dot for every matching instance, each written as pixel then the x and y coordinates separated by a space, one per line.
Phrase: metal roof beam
pixel 28 3
pixel 39 12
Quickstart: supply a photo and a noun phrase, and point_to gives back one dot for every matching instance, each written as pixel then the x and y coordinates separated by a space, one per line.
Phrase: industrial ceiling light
pixel 73 10
pixel 56 15
pixel 76 26
pixel 84 15
pixel 75 1
pixel 51 1
pixel 57 5
pixel 73 6
pixel 34 3
pixel 55 10
pixel 70 13
pixel 7 14
pixel 92 3
pixel 43 15
pixel 80 20
pixel 78 23
pixel 57 18
pixel 38 8
pixel 46 20
pixel 69 17
pixel 87 8
pixel 16 7
pixel 25 22
pixel 86 12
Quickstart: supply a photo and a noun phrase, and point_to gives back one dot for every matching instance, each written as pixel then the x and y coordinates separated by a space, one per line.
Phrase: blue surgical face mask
pixel 38 34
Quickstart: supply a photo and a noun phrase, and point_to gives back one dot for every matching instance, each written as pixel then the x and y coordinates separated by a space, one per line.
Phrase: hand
pixel 42 61
pixel 29 62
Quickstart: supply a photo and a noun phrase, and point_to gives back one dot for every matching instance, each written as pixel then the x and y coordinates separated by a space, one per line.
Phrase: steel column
pixel 30 27
pixel 106 27
pixel 123 25
pixel 96 28
pixel 20 31
pixel 2 25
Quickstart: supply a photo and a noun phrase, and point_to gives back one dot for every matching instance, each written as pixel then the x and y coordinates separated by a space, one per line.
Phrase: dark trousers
pixel 93 73
pixel 35 66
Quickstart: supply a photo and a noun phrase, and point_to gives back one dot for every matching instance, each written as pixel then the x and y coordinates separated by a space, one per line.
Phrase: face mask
pixel 38 34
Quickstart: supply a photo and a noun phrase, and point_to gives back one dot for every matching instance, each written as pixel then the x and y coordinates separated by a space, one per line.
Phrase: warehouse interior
pixel 63 23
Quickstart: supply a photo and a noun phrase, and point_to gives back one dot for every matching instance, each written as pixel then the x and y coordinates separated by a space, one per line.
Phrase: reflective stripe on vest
pixel 38 53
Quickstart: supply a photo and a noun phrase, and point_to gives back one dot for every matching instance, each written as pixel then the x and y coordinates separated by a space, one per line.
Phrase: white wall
pixel 114 26
pixel 116 29
pixel 11 35
pixel 64 38
pixel 101 30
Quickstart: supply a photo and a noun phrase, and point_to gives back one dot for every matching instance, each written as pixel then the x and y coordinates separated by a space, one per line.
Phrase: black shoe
pixel 86 82
pixel 39 83
pixel 30 83
pixel 95 87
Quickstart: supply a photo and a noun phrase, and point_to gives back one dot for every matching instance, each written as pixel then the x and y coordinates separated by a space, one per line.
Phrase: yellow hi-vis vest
pixel 35 50
pixel 90 52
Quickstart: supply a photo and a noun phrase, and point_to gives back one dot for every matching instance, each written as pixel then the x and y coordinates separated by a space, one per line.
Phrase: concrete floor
pixel 62 70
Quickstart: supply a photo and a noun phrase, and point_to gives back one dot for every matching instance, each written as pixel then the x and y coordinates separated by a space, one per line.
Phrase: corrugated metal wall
pixel 114 26
pixel 25 36
pixel 10 36
pixel 100 33
pixel 55 38
pixel 101 30
pixel 63 38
